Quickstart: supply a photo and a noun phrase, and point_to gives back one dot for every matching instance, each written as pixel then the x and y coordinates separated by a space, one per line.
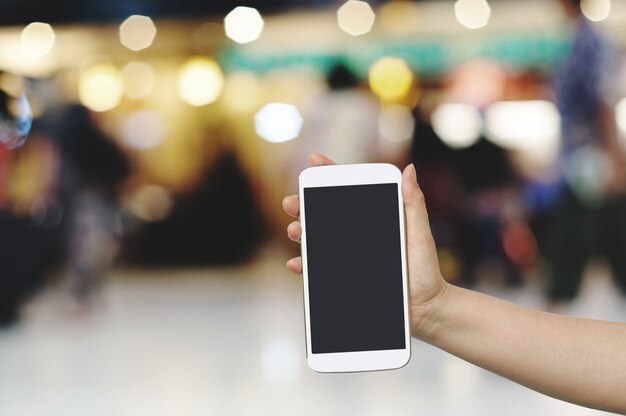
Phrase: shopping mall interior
pixel 146 147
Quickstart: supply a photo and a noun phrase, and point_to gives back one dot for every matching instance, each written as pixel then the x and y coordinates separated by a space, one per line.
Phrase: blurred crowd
pixel 523 169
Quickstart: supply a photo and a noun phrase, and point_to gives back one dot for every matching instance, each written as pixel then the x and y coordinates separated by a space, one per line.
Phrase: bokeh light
pixel 242 91
pixel 137 32
pixel 142 130
pixel 37 39
pixel 150 203
pixel 396 123
pixel 100 87
pixel 390 78
pixel 139 79
pixel 458 125
pixel 200 81
pixel 278 122
pixel 243 24
pixel 595 10
pixel 530 127
pixel 355 17
pixel 472 14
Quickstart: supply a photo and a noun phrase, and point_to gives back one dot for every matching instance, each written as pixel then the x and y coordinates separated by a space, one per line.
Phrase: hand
pixel 426 286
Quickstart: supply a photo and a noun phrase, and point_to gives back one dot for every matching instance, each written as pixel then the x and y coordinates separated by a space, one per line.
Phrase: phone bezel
pixel 346 175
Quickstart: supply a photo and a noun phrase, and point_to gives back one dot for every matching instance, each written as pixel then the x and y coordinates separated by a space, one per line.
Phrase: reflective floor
pixel 230 342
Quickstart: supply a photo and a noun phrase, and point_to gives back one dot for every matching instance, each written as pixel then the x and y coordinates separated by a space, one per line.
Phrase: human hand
pixel 427 288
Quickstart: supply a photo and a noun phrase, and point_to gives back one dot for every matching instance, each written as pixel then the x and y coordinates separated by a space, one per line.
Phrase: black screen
pixel 353 254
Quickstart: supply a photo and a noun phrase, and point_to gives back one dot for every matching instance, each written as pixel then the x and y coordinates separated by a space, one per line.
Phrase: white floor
pixel 230 342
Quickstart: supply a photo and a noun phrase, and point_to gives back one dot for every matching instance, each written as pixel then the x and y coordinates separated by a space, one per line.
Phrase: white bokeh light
pixel 100 87
pixel 137 32
pixel 522 124
pixel 37 39
pixel 530 127
pixel 458 125
pixel 200 81
pixel 355 17
pixel 595 10
pixel 472 14
pixel 150 203
pixel 243 24
pixel 395 123
pixel 142 130
pixel 139 79
pixel 278 122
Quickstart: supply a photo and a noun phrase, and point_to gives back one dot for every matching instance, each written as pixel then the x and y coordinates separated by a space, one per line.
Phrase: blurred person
pixel 92 172
pixel 343 121
pixel 578 360
pixel 441 184
pixel 27 236
pixel 591 214
pixel 470 193
pixel 491 208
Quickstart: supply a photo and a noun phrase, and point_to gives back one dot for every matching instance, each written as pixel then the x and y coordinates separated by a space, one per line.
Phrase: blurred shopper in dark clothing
pixel 442 189
pixel 218 222
pixel 92 172
pixel 591 217
pixel 490 182
pixel 468 192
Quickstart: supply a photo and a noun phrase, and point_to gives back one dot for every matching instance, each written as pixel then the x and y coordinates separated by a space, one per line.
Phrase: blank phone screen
pixel 353 255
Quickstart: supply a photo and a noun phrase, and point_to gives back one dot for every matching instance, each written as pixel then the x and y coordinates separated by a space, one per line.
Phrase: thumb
pixel 419 236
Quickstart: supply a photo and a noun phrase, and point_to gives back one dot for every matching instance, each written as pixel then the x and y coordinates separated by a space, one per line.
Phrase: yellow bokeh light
pixel 139 79
pixel 243 24
pixel 137 32
pixel 596 10
pixel 200 81
pixel 472 14
pixel 100 87
pixel 355 17
pixel 390 78
pixel 37 39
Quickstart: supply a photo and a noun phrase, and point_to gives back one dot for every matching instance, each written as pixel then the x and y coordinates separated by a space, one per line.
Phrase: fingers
pixel 291 205
pixel 418 227
pixel 318 159
pixel 295 264
pixel 294 231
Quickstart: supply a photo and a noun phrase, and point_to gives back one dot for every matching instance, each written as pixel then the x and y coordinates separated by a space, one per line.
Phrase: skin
pixel 577 360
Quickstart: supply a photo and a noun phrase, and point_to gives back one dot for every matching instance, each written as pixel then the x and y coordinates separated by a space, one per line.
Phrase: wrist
pixel 426 317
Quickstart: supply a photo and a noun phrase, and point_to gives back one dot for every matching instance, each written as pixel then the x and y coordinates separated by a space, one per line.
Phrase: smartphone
pixel 354 268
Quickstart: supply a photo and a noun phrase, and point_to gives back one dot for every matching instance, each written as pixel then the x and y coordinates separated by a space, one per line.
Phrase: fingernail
pixel 413 173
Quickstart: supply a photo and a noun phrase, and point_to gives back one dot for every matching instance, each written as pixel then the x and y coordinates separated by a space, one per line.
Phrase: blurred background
pixel 146 145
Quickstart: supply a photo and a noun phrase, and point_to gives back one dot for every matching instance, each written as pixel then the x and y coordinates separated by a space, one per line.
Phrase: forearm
pixel 577 360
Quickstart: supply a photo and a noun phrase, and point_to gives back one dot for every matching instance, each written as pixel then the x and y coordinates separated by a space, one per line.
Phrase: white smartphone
pixel 354 268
